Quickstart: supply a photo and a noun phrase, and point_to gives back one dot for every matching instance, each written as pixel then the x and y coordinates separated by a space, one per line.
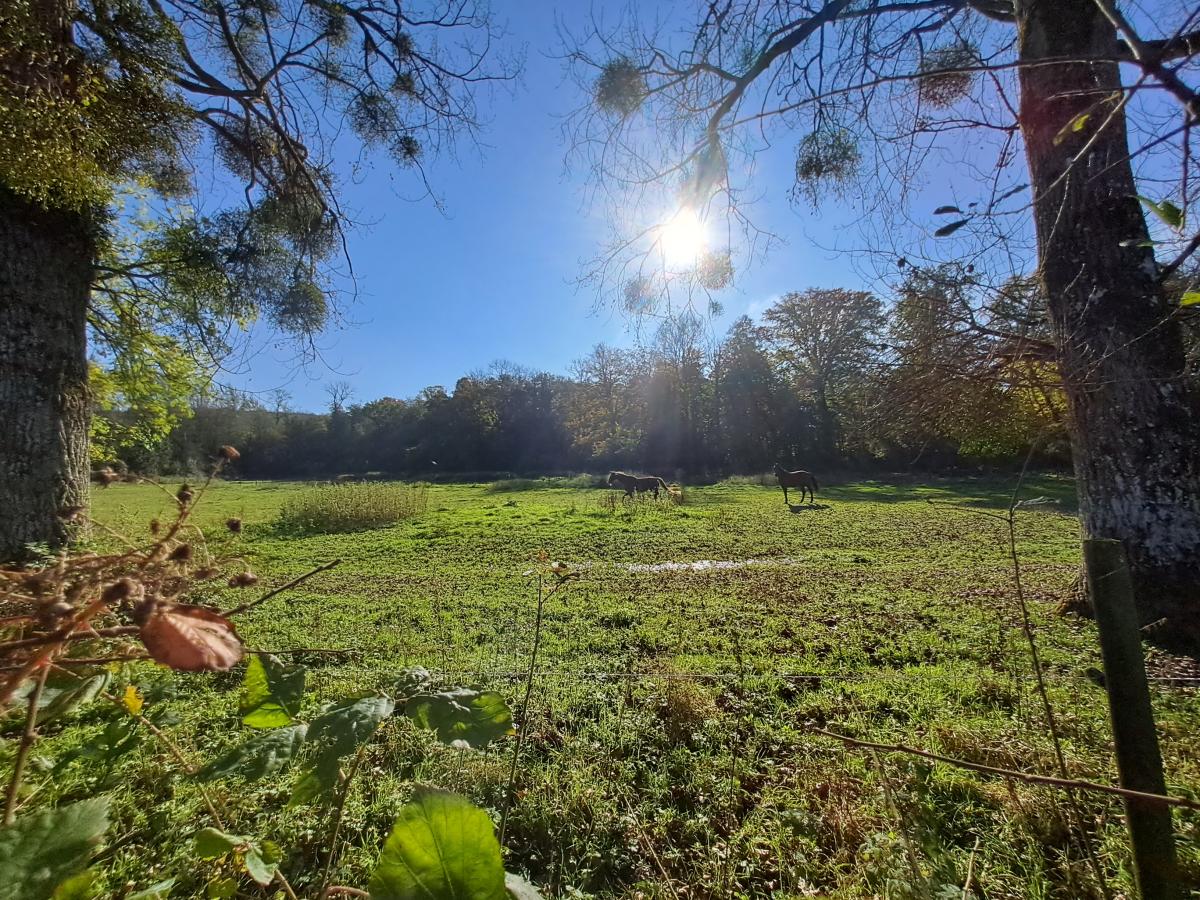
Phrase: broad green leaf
pixel 212 843
pixel 41 850
pixel 262 859
pixel 221 889
pixel 411 682
pixel 476 717
pixel 313 784
pixel 1190 298
pixel 1165 210
pixel 336 733
pixel 162 717
pixel 322 778
pixel 70 698
pixel 271 692
pixel 258 756
pixel 441 848
pixel 78 887
pixel 159 891
pixel 519 888
pixel 119 737
pixel 947 230
pixel 342 727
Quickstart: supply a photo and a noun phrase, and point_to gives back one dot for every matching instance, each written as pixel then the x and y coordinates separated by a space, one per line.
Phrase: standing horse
pixel 806 481
pixel 636 484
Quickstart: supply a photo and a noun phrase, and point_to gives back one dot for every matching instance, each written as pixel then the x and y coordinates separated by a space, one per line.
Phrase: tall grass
pixel 764 479
pixel 615 501
pixel 352 507
pixel 507 485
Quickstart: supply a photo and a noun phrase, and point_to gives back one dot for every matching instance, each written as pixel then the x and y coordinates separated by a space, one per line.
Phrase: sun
pixel 684 239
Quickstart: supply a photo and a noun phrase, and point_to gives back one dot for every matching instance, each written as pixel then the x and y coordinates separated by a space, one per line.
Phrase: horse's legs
pixel 785 494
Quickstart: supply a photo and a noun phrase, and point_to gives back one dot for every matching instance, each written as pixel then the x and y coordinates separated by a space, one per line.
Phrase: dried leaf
pixel 191 638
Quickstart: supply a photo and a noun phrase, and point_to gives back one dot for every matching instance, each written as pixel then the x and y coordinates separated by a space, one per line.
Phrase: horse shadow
pixel 805 507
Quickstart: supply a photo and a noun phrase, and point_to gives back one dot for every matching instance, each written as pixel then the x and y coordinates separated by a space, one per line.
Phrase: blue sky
pixel 490 276
pixel 445 293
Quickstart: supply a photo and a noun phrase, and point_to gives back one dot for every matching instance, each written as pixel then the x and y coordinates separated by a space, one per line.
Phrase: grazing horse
pixel 636 484
pixel 806 481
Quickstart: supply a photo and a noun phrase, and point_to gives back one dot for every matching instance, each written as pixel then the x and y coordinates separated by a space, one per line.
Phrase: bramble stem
pixel 28 736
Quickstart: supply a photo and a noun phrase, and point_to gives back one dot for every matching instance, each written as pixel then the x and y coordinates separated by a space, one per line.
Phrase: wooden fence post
pixel 1139 762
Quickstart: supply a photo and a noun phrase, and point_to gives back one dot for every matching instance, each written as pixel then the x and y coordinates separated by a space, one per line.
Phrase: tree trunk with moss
pixel 1134 416
pixel 45 276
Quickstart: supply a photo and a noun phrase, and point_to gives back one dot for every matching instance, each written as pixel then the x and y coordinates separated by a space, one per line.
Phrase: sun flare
pixel 684 239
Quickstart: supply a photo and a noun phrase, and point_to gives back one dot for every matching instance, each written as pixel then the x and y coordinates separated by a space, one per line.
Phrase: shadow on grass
pixel 992 492
pixel 805 507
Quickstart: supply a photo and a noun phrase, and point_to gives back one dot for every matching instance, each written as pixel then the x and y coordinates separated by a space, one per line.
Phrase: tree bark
pixel 827 425
pixel 1134 416
pixel 46 260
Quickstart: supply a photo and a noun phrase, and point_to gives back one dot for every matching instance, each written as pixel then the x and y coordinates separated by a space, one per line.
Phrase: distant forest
pixel 951 376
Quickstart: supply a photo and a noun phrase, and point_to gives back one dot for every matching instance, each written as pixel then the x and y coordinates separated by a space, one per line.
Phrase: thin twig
pixel 58 637
pixel 649 845
pixel 889 796
pixel 88 661
pixel 28 736
pixel 331 651
pixel 173 748
pixel 44 656
pixel 1047 780
pixel 338 811
pixel 1040 681
pixel 970 870
pixel 543 596
pixel 269 595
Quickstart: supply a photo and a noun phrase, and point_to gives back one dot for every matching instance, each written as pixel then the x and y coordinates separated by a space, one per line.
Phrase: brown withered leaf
pixel 191 638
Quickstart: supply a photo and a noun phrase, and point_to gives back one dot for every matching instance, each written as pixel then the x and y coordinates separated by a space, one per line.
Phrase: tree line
pixel 826 379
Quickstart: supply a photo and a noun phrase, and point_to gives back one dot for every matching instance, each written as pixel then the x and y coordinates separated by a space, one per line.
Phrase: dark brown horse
pixel 636 484
pixel 806 481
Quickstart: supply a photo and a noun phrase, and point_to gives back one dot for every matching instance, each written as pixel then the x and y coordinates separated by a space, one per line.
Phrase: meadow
pixel 684 666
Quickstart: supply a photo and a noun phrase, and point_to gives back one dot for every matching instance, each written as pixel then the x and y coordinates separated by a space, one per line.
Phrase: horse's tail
pixel 662 483
pixel 814 481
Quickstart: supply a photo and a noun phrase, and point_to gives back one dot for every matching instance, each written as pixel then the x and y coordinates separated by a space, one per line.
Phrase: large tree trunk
pixel 1134 418
pixel 45 276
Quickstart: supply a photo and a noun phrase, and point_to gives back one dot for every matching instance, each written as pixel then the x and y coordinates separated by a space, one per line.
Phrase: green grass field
pixel 668 750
